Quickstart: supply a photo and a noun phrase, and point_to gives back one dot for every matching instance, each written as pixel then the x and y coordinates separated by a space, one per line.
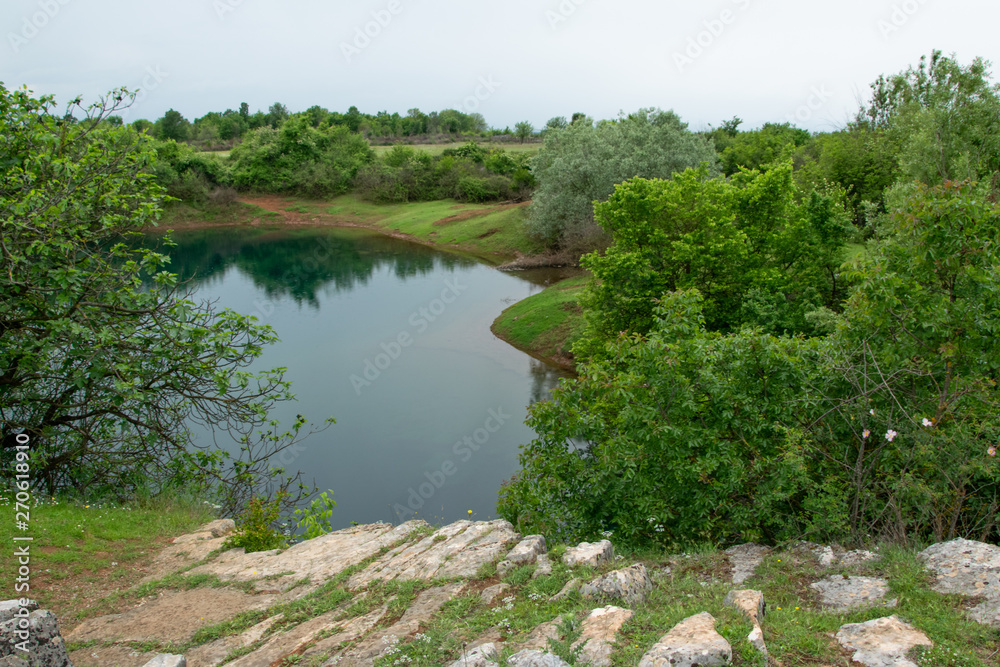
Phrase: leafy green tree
pixel 104 364
pixel 758 148
pixel 556 123
pixel 524 130
pixel 173 125
pixel 582 164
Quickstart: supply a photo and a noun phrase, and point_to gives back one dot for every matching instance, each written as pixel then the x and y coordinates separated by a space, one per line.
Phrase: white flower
pixel 890 434
pixel 872 412
pixel 865 434
pixel 927 422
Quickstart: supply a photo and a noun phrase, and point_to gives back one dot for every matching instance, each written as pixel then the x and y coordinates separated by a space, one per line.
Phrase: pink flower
pixel 872 411
pixel 992 451
pixel 890 434
pixel 927 422
pixel 865 434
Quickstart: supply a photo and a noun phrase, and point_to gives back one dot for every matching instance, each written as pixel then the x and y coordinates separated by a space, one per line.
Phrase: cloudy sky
pixel 762 60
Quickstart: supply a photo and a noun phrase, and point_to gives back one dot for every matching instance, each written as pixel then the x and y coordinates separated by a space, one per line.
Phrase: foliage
pixel 886 427
pixel 754 253
pixel 758 148
pixel 582 163
pixel 186 175
pixel 298 158
pixel 945 117
pixel 315 519
pixel 104 364
pixel 256 528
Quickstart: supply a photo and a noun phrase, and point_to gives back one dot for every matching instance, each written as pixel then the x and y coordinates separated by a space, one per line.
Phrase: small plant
pixel 255 529
pixel 315 519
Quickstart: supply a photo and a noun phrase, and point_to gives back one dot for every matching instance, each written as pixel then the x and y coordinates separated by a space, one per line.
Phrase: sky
pixel 805 62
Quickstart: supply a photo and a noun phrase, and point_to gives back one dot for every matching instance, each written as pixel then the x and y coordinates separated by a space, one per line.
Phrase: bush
pixel 256 527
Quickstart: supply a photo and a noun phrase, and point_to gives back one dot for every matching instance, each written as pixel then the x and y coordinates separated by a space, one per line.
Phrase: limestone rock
pixel 589 553
pixel 219 528
pixel 882 642
pixel 167 660
pixel 348 631
pixel 454 551
pixel 294 640
pixel 45 645
pixel 213 653
pixel 318 559
pixel 631 584
pixel 540 636
pixel 597 635
pixel 968 568
pixel 857 557
pixel 483 655
pixel 840 592
pixel 533 658
pixel 751 603
pixel 822 553
pixel 567 588
pixel 544 567
pixel 691 642
pixel 12 661
pixel 526 551
pixel 744 559
pixel 493 592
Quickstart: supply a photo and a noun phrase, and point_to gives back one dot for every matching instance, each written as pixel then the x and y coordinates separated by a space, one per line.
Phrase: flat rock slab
pixel 882 642
pixel 213 653
pixel 750 602
pixel 455 551
pixel 597 635
pixel 544 567
pixel 533 658
pixel 347 631
pixel 840 592
pixel 174 616
pixel 692 642
pixel 745 559
pixel 821 552
pixel 632 585
pixel 493 592
pixel 594 554
pixel 857 557
pixel 167 660
pixel 294 640
pixel 540 636
pixel 318 559
pixel 965 567
pixel 117 655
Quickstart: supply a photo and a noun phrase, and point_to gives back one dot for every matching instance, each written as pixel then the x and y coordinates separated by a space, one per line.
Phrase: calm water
pixel 393 340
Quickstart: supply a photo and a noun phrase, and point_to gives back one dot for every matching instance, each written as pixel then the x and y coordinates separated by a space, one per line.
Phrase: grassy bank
pixel 79 551
pixel 546 324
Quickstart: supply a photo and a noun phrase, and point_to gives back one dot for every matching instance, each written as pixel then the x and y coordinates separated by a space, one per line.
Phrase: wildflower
pixel 872 412
pixel 470 511
pixel 992 451
pixel 890 434
pixel 865 434
pixel 927 422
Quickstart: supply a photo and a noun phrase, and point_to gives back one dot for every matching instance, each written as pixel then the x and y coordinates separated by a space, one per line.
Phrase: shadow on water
pixel 299 263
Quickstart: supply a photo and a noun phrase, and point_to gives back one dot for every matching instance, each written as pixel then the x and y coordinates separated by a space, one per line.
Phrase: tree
pixel 524 130
pixel 173 125
pixel 583 163
pixel 104 364
pixel 556 123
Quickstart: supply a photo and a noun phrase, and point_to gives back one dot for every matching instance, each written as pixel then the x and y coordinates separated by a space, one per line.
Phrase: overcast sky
pixel 762 60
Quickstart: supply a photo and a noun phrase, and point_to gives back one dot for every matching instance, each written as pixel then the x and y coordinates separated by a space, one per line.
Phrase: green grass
pixel 77 545
pixel 490 231
pixel 182 213
pixel 547 323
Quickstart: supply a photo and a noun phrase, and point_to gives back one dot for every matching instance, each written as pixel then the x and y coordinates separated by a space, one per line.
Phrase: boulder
pixel 691 642
pixel 543 567
pixel 12 661
pixel 751 603
pixel 882 642
pixel 8 608
pixel 586 553
pixel 631 585
pixel 744 560
pixel 840 592
pixel 526 552
pixel 44 643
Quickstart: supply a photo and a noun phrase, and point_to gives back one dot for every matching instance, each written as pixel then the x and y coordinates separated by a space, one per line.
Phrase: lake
pixel 392 339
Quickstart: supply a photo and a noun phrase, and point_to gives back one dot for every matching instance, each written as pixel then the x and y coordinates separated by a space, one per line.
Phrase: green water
pixel 393 340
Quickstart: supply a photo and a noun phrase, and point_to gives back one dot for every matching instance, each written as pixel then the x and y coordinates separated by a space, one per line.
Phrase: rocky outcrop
pixel 882 642
pixel 630 585
pixel 526 552
pixel 597 635
pixel 533 658
pixel 586 553
pixel 167 660
pixel 484 655
pixel 744 560
pixel 840 592
pixel 751 604
pixel 691 642
pixel 38 632
pixel 971 568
